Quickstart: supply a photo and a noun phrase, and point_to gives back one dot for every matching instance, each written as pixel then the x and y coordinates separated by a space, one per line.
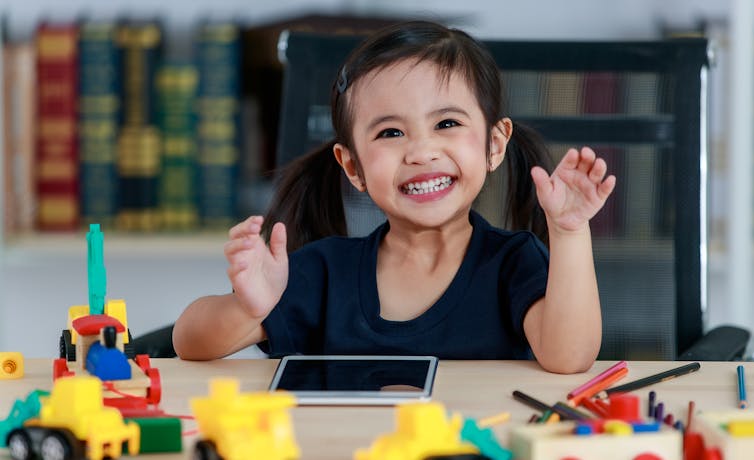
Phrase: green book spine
pixel 218 118
pixel 99 120
pixel 176 96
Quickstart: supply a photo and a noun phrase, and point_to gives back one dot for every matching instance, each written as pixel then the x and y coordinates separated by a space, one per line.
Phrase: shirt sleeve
pixel 294 326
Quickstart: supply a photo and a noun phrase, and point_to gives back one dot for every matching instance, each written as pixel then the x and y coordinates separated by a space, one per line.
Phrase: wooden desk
pixel 474 388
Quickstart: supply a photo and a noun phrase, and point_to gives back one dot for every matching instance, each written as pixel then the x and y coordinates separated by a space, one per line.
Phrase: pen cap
pixel 624 407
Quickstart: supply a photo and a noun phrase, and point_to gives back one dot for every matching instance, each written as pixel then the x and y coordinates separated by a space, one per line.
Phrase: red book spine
pixel 57 169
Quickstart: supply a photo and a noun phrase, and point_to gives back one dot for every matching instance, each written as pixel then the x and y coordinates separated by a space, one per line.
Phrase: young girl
pixel 418 123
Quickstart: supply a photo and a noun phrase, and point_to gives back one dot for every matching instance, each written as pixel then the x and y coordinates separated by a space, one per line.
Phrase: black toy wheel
pixel 205 450
pixel 128 348
pixel 19 445
pixel 67 348
pixel 55 446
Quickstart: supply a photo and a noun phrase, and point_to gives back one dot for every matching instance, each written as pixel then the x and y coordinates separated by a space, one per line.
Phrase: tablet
pixel 356 380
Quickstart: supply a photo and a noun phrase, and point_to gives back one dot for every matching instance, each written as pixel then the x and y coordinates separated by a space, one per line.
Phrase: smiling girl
pixel 417 114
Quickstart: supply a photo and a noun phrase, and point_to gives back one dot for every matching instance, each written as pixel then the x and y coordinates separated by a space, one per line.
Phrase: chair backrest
pixel 640 104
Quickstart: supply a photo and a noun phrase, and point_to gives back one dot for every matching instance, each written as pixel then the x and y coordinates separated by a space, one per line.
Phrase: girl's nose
pixel 422 151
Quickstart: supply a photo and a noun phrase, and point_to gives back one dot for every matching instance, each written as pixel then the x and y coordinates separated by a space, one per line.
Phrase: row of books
pixel 100 127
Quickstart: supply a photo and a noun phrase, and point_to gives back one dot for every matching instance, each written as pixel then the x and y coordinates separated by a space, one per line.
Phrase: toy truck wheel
pixel 67 348
pixel 19 445
pixel 205 450
pixel 56 446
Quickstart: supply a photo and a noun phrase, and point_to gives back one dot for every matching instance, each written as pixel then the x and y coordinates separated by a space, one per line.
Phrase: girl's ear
pixel 348 163
pixel 500 135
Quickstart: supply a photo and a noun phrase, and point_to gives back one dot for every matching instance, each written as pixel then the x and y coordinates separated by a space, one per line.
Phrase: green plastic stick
pixel 96 270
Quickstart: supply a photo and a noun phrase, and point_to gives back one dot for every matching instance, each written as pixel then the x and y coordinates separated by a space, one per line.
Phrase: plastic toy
pixel 422 431
pixel 97 342
pixel 622 435
pixel 236 426
pixel 728 433
pixel 74 424
pixel 20 412
pixel 11 365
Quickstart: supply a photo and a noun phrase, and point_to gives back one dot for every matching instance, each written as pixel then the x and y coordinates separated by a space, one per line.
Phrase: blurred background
pixel 165 212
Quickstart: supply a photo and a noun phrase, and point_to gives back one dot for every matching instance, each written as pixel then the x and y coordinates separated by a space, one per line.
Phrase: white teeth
pixel 432 185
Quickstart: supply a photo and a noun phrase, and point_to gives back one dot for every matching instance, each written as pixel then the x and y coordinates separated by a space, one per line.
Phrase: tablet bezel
pixel 332 397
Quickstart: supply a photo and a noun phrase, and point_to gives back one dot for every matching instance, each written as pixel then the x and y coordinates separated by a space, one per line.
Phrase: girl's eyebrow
pixel 449 109
pixel 382 119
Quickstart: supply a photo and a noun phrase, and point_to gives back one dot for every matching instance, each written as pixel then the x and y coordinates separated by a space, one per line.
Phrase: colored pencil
pixel 601 376
pixel 531 402
pixel 603 384
pixel 741 388
pixel 652 379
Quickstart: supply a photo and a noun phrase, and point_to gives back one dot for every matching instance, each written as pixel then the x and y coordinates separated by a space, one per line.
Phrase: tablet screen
pixel 356 379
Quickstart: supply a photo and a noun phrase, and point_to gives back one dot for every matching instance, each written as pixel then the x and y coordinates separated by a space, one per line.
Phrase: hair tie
pixel 342 83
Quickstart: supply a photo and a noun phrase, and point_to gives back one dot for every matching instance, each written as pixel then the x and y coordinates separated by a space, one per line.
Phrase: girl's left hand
pixel 575 191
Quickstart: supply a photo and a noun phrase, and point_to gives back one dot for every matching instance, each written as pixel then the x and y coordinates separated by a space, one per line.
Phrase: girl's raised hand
pixel 258 273
pixel 575 191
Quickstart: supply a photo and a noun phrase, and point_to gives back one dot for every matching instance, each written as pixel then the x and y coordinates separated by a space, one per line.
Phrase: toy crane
pixel 97 341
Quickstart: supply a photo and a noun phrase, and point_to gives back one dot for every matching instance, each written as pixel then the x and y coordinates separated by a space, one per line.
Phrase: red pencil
pixel 603 375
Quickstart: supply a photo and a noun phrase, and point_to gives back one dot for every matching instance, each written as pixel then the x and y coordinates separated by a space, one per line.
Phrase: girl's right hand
pixel 258 273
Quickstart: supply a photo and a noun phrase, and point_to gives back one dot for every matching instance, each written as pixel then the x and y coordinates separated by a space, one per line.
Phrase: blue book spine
pixel 218 123
pixel 99 112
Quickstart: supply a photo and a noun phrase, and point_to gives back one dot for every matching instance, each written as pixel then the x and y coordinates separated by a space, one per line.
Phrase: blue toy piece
pixel 20 412
pixel 96 270
pixel 108 362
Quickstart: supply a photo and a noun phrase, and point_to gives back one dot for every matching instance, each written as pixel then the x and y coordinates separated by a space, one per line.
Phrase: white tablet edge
pixel 370 398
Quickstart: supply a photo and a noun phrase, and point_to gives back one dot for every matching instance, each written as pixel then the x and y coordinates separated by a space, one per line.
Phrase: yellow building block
pixel 11 365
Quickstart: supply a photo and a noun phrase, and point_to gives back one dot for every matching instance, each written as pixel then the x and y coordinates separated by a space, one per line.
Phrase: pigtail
pixel 525 150
pixel 308 199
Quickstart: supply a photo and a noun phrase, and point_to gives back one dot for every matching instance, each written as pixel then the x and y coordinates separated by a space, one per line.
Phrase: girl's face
pixel 421 141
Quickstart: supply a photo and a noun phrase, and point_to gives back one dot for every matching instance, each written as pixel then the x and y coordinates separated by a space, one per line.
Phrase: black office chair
pixel 637 103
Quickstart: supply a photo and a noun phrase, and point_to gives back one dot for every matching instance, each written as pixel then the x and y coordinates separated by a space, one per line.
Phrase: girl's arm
pixel 216 326
pixel 564 328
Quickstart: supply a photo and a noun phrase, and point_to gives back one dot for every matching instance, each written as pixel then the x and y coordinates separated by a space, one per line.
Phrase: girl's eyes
pixel 447 124
pixel 393 132
pixel 389 132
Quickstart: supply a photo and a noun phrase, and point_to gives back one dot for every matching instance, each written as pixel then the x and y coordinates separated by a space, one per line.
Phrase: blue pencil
pixel 741 388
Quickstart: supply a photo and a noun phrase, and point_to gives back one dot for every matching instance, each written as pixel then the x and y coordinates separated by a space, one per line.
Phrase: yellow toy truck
pixel 74 424
pixel 237 426
pixel 423 431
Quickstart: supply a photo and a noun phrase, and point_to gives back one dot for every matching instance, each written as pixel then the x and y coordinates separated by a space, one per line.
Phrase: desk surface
pixel 472 388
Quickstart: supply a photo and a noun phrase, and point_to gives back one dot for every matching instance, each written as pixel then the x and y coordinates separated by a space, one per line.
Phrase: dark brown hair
pixel 308 196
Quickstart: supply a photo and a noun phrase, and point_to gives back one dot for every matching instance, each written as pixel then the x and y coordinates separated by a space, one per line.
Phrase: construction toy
pixel 236 426
pixel 97 342
pixel 423 431
pixel 20 412
pixel 622 435
pixel 74 424
pixel 728 433
pixel 11 365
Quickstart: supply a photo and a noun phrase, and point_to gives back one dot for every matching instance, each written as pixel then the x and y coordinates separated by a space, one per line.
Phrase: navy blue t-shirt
pixel 331 305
